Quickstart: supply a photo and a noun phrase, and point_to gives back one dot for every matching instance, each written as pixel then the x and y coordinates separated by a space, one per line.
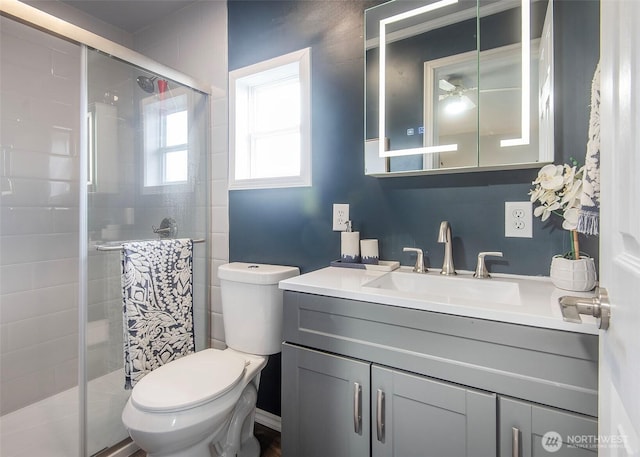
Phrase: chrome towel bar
pixel 118 247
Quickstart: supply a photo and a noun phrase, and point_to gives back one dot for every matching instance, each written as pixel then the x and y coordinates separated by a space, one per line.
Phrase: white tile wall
pixel 38 215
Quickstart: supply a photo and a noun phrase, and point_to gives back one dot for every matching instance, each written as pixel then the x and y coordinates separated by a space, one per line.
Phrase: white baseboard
pixel 268 420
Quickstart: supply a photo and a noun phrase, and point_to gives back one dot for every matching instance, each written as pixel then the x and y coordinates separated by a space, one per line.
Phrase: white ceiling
pixel 129 15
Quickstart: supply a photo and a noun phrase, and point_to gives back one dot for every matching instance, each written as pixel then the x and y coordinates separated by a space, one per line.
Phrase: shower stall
pixel 96 147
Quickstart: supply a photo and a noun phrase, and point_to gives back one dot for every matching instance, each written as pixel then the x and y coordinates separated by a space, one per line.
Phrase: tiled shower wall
pixel 39 99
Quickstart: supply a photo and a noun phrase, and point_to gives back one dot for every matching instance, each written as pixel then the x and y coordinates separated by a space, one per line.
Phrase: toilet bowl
pixel 171 412
pixel 203 404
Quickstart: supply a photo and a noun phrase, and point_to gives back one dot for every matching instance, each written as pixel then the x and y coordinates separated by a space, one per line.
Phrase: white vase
pixel 575 275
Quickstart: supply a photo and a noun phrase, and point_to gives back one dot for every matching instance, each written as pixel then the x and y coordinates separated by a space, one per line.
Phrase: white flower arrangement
pixel 557 190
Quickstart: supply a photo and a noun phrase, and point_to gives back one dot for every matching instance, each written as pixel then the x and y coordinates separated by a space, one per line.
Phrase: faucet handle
pixel 481 268
pixel 419 267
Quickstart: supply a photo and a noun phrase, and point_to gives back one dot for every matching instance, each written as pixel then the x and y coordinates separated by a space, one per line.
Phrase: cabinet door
pixel 414 416
pixel 529 430
pixel 325 405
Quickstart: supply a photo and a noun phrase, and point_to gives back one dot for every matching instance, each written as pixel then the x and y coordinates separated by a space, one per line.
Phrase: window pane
pixel 176 166
pixel 276 156
pixel 270 123
pixel 277 105
pixel 177 129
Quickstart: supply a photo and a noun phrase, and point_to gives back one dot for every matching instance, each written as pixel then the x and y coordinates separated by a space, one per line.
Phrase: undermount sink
pixel 447 289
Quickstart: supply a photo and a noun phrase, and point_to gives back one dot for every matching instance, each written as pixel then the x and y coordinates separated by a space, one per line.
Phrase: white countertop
pixel 538 305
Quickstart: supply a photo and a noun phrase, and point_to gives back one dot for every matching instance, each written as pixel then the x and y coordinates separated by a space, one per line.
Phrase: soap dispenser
pixel 350 245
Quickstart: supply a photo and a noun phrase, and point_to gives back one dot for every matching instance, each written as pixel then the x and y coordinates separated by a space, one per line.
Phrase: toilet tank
pixel 252 305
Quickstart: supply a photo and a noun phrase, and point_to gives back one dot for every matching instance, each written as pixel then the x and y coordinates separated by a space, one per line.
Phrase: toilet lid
pixel 190 381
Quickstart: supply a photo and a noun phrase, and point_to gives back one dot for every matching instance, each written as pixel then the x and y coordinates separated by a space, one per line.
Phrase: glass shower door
pixel 39 242
pixel 147 170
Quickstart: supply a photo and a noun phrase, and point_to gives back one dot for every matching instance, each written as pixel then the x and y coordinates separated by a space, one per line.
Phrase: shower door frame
pixel 39 19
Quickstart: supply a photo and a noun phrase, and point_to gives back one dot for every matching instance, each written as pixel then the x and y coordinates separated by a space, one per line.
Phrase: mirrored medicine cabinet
pixel 458 85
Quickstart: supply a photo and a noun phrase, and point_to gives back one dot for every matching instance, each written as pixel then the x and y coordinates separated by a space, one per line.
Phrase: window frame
pixel 241 83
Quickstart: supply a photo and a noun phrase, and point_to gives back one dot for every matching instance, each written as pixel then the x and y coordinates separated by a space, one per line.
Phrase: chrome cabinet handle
pixel 380 415
pixel 597 307
pixel 357 407
pixel 515 442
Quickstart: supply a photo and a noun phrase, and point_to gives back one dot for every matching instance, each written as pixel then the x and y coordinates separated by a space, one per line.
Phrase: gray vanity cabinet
pixel 530 430
pixel 336 406
pixel 363 379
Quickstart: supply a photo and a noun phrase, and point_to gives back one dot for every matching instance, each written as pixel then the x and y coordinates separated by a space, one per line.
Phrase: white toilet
pixel 203 404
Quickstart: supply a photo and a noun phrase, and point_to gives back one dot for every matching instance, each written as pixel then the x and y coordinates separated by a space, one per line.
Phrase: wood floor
pixel 269 442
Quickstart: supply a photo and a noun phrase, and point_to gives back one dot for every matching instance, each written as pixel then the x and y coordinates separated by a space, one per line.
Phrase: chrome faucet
pixel 419 267
pixel 444 236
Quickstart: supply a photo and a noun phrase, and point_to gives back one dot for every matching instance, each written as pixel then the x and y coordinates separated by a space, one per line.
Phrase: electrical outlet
pixel 340 216
pixel 518 220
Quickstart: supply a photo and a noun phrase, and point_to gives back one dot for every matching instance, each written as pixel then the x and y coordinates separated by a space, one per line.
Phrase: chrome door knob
pixel 597 307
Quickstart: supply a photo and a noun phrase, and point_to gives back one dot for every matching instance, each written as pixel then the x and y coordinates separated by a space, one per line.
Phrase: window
pixel 270 144
pixel 166 141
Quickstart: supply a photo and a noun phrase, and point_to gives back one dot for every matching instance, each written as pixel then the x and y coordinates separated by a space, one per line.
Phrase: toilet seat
pixel 190 381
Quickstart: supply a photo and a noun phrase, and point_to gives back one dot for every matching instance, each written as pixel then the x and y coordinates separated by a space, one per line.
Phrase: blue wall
pixel 294 226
